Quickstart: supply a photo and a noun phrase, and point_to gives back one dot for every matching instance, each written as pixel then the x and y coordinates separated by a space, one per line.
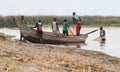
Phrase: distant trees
pixel 7 21
pixel 101 20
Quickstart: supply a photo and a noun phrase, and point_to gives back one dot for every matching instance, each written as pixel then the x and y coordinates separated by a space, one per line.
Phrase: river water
pixel 110 47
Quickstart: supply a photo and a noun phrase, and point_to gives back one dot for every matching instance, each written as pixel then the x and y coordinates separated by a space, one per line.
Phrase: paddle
pixel 99 39
pixel 91 32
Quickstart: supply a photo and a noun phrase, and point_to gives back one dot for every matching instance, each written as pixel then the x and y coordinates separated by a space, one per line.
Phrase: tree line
pixel 7 21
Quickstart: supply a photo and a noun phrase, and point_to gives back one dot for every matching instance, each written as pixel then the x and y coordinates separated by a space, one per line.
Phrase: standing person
pixel 39 30
pixel 21 35
pixel 102 34
pixel 76 18
pixel 55 28
pixel 101 38
pixel 77 23
pixel 65 28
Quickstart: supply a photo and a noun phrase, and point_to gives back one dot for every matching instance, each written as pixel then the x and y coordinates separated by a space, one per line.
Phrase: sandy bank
pixel 18 56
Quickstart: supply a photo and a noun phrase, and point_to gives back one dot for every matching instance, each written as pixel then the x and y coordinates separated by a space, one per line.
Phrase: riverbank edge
pixel 23 57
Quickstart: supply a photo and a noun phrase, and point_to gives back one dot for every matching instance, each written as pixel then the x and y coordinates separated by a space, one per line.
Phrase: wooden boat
pixel 49 37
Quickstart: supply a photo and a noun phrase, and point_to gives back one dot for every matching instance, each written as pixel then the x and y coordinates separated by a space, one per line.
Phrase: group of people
pixel 55 28
pixel 76 21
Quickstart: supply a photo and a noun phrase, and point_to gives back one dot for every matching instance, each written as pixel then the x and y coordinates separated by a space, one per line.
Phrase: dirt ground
pixel 16 56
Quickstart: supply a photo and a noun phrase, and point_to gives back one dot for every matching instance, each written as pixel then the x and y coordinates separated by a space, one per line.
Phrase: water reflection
pixel 76 45
pixel 102 44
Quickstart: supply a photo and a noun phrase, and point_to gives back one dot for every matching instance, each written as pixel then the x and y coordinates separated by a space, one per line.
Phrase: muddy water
pixel 111 46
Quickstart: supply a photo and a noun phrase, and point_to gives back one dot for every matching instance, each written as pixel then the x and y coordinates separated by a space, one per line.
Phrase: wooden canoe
pixel 49 37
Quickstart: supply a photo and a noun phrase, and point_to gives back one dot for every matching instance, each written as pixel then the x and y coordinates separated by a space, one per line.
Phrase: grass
pixel 115 25
pixel 84 25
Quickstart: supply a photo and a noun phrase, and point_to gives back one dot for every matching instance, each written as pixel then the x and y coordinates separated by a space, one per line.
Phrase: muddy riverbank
pixel 16 56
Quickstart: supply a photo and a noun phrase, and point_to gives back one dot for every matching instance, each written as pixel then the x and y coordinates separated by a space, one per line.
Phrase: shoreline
pixel 16 56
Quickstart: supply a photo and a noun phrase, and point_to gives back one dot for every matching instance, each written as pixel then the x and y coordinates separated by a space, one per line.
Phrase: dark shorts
pixel 40 34
pixel 65 32
pixel 103 39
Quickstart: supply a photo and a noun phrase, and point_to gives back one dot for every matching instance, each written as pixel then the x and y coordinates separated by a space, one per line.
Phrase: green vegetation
pixel 7 22
pixel 87 21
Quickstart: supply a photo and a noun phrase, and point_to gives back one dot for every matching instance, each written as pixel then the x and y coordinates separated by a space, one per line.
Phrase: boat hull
pixel 30 34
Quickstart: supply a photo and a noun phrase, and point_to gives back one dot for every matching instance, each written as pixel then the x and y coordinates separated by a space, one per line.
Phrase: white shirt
pixel 102 34
pixel 54 26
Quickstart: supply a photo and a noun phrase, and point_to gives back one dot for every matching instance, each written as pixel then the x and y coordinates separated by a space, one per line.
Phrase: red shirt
pixel 78 25
pixel 39 26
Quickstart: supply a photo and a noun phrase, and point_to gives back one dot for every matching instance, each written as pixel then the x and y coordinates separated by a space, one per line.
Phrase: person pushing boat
pixel 102 34
pixel 101 37
pixel 39 30
pixel 21 35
